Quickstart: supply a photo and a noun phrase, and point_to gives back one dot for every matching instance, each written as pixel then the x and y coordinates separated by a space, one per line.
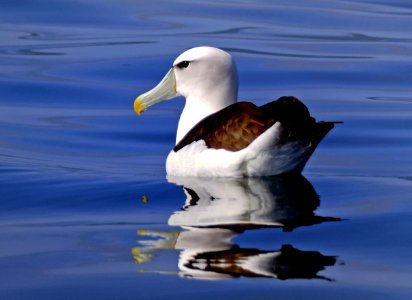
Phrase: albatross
pixel 217 136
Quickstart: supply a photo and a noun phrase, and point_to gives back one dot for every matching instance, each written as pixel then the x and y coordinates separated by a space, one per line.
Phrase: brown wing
pixel 296 121
pixel 236 126
pixel 233 128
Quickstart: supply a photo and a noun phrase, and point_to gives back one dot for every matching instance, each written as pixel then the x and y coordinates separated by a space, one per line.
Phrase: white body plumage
pixel 263 157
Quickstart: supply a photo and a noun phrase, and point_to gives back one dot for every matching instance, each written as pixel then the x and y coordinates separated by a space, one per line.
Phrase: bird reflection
pixel 216 211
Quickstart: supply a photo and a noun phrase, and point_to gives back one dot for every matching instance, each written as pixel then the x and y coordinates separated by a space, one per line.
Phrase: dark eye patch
pixel 183 64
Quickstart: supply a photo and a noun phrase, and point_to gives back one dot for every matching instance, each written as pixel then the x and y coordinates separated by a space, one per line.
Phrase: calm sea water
pixel 86 210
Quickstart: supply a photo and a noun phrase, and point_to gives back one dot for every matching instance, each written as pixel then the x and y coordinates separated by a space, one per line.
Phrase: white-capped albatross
pixel 218 136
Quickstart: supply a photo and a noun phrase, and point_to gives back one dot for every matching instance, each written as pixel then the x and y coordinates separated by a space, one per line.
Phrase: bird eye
pixel 183 64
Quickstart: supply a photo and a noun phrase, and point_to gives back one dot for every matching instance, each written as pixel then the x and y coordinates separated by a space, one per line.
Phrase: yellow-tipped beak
pixel 138 106
pixel 165 90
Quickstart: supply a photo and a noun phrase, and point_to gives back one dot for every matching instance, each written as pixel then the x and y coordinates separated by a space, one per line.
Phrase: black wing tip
pixel 179 146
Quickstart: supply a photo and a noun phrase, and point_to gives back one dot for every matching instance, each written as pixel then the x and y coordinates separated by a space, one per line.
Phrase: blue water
pixel 86 211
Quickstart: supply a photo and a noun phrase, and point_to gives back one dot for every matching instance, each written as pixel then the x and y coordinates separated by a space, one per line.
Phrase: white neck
pixel 196 110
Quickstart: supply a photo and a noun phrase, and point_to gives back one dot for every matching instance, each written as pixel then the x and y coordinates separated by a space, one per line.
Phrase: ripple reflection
pixel 216 211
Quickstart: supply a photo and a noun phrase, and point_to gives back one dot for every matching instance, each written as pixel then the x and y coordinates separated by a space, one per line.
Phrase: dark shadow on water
pixel 216 211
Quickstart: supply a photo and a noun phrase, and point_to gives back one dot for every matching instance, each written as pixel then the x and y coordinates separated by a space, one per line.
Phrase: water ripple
pixel 280 54
pixel 40 49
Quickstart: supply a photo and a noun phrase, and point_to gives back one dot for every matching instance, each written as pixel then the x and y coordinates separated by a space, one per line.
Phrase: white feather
pixel 263 157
